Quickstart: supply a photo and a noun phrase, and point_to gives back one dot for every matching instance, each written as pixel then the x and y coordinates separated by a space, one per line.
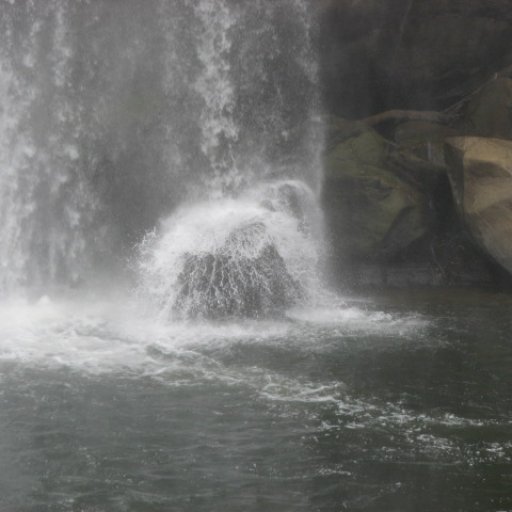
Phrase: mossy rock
pixel 372 213
pixel 424 139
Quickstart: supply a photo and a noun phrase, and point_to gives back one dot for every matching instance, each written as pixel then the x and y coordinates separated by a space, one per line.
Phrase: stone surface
pixel 372 213
pixel 481 178
pixel 425 140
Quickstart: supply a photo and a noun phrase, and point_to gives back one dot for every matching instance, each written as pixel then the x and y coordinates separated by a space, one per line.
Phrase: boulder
pixel 480 171
pixel 244 278
pixel 372 212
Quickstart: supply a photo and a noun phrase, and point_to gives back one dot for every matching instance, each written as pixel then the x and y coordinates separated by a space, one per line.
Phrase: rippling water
pixel 399 402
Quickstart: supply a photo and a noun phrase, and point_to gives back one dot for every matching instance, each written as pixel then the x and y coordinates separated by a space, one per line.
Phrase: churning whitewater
pixel 252 256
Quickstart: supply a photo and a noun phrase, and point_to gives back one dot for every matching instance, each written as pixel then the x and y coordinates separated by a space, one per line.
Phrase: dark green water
pixel 401 402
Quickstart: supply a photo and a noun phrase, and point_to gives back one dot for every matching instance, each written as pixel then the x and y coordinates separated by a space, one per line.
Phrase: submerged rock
pixel 481 178
pixel 244 278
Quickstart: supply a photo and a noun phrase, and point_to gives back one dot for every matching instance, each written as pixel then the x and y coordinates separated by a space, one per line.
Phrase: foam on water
pixel 96 336
pixel 104 338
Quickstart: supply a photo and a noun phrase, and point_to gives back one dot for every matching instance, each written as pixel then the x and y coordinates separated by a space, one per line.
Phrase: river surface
pixel 400 402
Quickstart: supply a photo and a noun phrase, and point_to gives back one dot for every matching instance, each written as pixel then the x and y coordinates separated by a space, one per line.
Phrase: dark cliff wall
pixel 420 54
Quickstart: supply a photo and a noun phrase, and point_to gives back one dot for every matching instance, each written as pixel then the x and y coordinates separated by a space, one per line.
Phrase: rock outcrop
pixel 416 174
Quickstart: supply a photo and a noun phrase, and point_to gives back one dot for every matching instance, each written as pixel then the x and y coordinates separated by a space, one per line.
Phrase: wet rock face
pixel 416 54
pixel 244 278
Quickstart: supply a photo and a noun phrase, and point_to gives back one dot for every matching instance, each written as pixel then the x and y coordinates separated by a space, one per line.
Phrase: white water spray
pixel 252 256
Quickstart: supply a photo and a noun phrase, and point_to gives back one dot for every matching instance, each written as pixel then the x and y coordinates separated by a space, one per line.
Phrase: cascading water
pixel 108 127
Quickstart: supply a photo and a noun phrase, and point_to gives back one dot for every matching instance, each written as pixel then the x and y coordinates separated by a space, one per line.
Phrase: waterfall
pixel 46 199
pixel 121 120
